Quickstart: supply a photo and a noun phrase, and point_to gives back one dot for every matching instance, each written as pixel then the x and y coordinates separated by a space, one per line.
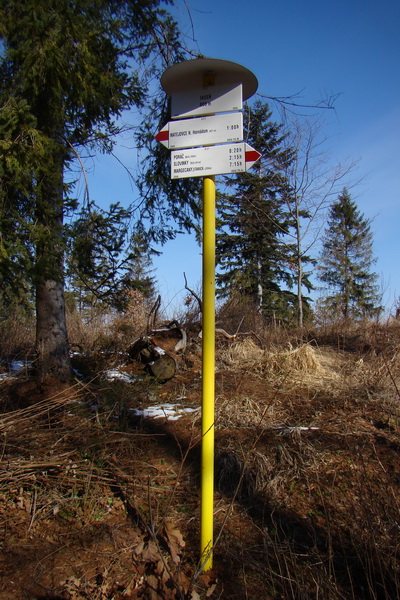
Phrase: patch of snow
pixel 159 350
pixel 13 367
pixel 172 412
pixel 113 353
pixel 113 374
pixel 290 429
pixel 17 365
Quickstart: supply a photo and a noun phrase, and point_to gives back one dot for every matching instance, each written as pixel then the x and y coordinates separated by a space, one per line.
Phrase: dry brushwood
pixel 23 417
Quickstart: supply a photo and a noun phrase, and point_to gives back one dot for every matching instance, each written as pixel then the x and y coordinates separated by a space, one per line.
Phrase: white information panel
pixel 204 101
pixel 212 160
pixel 202 131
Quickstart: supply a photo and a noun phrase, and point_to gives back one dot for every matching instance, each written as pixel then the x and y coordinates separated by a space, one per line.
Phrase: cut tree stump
pixel 158 362
pixel 163 368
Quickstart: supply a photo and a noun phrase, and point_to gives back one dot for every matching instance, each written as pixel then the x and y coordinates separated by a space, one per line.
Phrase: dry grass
pixel 20 419
pixel 17 336
pixel 307 468
pixel 305 365
pixel 246 354
pixel 97 498
pixel 318 452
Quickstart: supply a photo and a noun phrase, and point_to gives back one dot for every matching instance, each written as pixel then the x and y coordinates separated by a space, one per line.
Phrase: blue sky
pixel 314 49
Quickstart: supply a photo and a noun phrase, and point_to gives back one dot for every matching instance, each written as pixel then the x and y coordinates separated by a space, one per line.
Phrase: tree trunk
pixel 158 362
pixel 300 292
pixel 259 288
pixel 163 368
pixel 51 329
pixel 51 332
pixel 299 267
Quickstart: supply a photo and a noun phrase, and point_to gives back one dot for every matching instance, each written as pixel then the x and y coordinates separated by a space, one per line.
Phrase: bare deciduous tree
pixel 314 181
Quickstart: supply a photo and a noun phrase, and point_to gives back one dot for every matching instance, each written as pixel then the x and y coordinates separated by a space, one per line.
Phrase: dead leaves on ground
pixel 157 573
pixel 162 577
pixel 156 558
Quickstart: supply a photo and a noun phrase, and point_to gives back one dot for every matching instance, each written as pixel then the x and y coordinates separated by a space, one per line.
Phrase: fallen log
pixel 156 360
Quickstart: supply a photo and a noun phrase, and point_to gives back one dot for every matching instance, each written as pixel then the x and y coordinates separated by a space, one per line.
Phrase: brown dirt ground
pixel 98 504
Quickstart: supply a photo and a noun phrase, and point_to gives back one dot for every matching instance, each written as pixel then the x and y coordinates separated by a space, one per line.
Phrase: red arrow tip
pixel 162 136
pixel 252 155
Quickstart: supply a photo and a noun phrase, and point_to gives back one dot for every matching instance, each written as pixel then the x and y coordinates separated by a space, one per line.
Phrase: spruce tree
pixel 253 222
pixel 106 262
pixel 68 69
pixel 346 261
pixel 99 256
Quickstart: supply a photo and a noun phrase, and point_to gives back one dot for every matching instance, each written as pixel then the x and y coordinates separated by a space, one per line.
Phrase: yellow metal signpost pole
pixel 208 389
pixel 206 88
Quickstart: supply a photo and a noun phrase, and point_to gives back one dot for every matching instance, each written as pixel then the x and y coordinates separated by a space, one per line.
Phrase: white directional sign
pixel 212 160
pixel 206 100
pixel 202 131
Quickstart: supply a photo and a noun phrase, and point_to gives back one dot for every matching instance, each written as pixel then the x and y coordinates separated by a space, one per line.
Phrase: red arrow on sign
pixel 163 135
pixel 250 156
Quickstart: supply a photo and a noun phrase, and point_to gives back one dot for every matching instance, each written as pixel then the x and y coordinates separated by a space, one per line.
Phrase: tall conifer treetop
pixel 347 260
pixel 254 221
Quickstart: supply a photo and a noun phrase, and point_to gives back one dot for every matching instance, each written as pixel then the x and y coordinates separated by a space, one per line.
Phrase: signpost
pixel 200 87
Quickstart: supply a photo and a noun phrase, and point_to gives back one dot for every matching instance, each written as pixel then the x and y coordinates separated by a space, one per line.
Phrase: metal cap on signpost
pixel 205 146
pixel 207 72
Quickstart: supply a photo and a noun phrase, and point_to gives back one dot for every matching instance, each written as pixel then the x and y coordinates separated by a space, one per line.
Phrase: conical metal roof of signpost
pixel 203 72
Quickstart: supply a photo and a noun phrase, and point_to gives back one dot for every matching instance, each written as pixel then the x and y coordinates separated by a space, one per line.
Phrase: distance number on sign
pixel 233 127
pixel 236 157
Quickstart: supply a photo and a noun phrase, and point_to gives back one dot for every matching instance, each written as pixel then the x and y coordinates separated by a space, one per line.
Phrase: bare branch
pixel 154 311
pixel 86 196
pixel 288 103
pixel 193 294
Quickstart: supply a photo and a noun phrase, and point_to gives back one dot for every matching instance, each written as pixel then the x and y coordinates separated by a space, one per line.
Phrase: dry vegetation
pixel 99 504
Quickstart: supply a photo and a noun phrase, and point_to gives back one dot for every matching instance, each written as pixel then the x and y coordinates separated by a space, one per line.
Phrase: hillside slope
pixel 99 495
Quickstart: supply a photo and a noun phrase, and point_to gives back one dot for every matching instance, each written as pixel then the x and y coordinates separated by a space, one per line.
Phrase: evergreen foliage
pixel 253 255
pixel 346 261
pixel 103 262
pixel 68 69
pixel 170 206
pixel 17 130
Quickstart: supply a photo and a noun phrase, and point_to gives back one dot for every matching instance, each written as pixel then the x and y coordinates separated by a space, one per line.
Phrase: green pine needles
pixel 256 258
pixel 346 261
